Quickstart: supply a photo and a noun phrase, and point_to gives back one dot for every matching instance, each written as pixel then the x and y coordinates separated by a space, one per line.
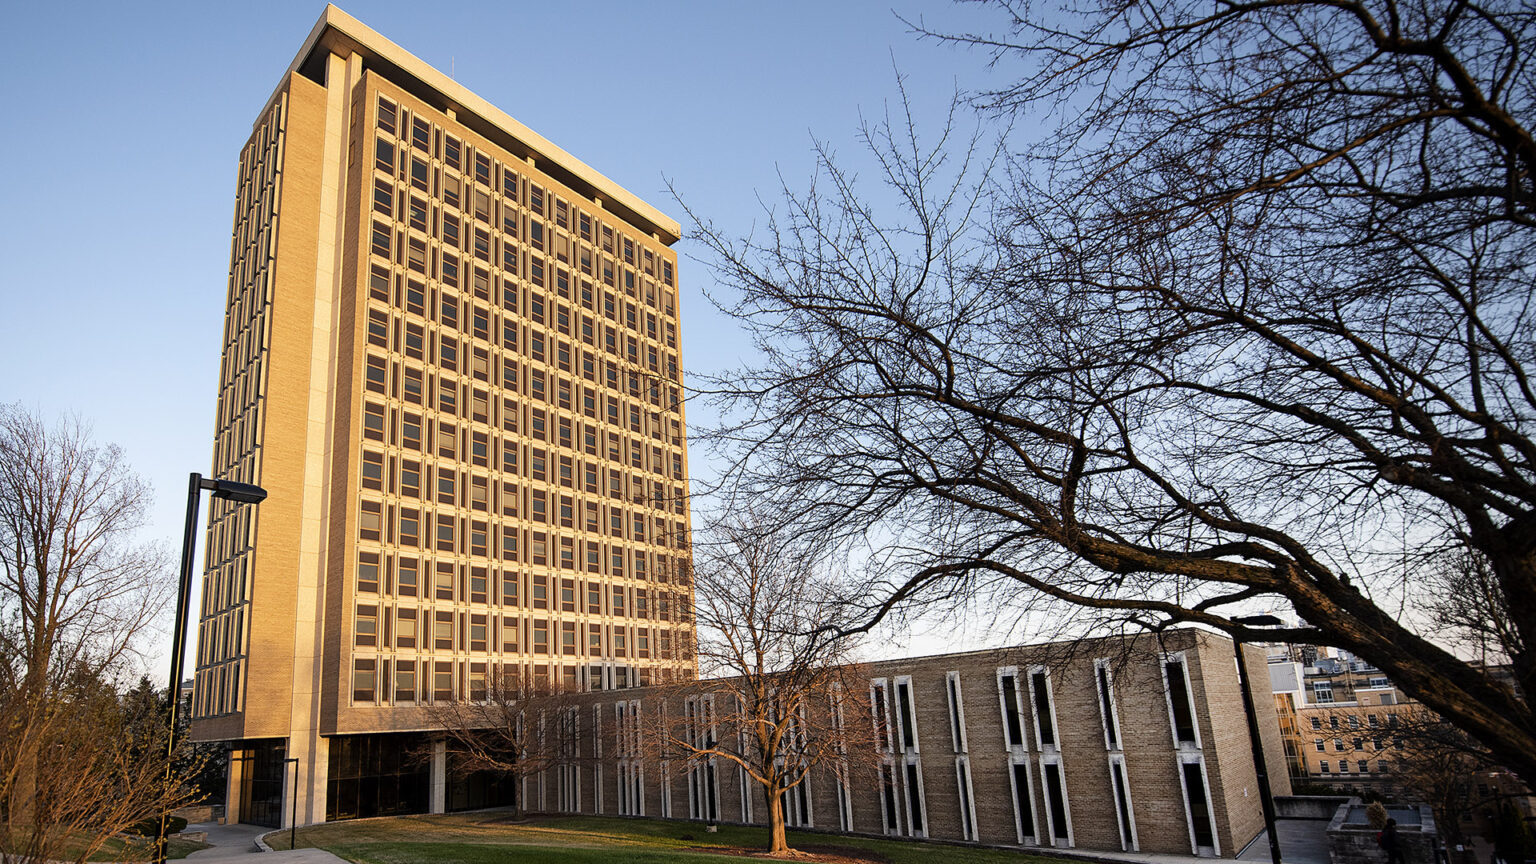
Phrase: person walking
pixel 1389 842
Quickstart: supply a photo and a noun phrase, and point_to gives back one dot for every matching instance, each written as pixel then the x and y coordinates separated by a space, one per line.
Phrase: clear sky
pixel 123 123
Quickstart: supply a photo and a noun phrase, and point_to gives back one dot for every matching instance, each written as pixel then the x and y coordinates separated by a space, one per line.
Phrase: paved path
pixel 1302 841
pixel 231 842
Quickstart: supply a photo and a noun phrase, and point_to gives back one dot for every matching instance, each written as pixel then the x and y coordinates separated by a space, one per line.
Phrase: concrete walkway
pixel 1302 841
pixel 232 842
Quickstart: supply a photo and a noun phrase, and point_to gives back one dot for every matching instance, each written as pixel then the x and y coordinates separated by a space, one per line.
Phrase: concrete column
pixel 232 792
pixel 439 803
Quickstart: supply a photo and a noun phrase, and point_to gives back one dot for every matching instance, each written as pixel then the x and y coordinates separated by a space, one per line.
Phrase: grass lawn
pixel 473 838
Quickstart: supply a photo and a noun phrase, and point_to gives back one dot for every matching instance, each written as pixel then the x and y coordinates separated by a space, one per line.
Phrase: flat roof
pixel 339 33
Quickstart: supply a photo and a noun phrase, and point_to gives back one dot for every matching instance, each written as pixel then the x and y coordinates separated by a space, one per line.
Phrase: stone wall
pixel 1352 842
pixel 1322 807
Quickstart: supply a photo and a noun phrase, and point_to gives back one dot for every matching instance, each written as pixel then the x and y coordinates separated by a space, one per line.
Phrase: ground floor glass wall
pixel 261 782
pixel 376 775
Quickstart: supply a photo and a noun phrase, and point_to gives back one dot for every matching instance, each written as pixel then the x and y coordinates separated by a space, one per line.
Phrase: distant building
pixel 1337 715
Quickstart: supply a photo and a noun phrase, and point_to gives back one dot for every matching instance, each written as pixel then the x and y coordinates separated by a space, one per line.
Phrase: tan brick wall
pixel 1151 762
pixel 268 696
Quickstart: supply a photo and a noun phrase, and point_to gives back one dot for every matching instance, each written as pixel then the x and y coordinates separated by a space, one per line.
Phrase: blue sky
pixel 123 123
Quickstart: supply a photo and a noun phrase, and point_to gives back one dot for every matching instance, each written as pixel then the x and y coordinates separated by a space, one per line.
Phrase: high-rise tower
pixel 451 358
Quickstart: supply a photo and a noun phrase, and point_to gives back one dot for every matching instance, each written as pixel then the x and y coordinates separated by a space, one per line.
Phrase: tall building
pixel 451 358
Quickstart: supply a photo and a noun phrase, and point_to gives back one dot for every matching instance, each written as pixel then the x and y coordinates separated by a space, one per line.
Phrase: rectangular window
pixel 405 680
pixel 1056 801
pixel 1202 831
pixel 1107 705
pixel 368 572
pixel 917 825
pixel 1023 792
pixel 1123 810
pixel 406 578
pixel 405 628
pixel 905 715
pixel 1045 717
pixel 1181 709
pixel 366 630
pixel 363 680
pixel 1013 723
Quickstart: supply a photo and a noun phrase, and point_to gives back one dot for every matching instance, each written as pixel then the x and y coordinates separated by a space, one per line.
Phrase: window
pixel 373 421
pixel 369 520
pixel 442 631
pixel 1317 723
pixel 1322 766
pixel 366 631
pixel 1045 719
pixel 1181 709
pixel 405 679
pixel 363 680
pixel 406 578
pixel 1197 801
pixel 1013 724
pixel 405 628
pixel 1322 746
pixel 410 528
pixel 368 572
pixel 1107 705
pixel 905 716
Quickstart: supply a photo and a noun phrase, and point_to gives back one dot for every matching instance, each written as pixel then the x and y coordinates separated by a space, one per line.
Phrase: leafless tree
pixel 1239 318
pixel 512 726
pixel 76 590
pixel 779 694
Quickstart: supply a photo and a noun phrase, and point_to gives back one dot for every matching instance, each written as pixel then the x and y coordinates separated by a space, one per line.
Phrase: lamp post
pixel 229 490
pixel 1266 799
pixel 293 804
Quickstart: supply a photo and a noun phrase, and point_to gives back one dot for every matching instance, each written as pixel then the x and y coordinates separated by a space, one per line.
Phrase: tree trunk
pixel 778 843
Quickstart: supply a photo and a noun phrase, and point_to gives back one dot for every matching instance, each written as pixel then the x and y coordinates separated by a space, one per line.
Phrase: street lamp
pixel 1266 800
pixel 293 820
pixel 229 490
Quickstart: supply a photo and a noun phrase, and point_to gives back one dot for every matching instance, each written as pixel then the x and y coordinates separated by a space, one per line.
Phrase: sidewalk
pixel 1301 842
pixel 231 842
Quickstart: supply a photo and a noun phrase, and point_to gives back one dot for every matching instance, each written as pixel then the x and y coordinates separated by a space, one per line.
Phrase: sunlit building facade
pixel 451 356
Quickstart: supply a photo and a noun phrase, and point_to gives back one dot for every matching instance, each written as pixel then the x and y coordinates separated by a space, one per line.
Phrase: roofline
pixel 340 33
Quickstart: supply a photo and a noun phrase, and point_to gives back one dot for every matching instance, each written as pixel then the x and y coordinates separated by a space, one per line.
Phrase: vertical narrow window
pixel 1045 717
pixel 967 806
pixel 1123 812
pixel 881 718
pixel 1008 692
pixel 916 826
pixel 1181 711
pixel 1107 705
pixel 906 717
pixel 1202 832
pixel 956 712
pixel 1023 808
pixel 1056 800
pixel 888 811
